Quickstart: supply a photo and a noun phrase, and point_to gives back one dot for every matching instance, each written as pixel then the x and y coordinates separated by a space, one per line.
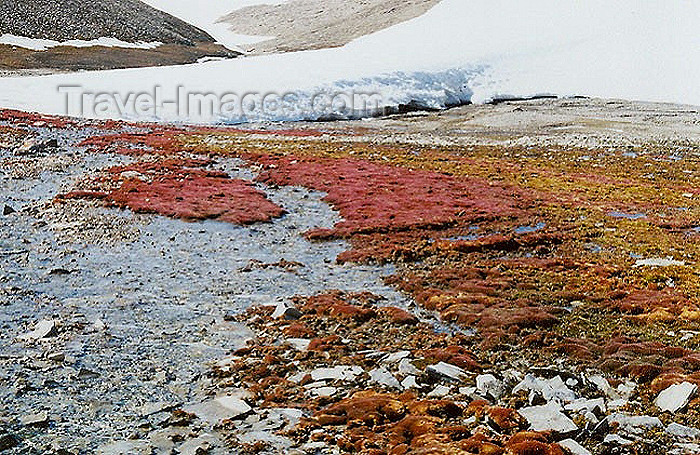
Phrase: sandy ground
pixel 309 24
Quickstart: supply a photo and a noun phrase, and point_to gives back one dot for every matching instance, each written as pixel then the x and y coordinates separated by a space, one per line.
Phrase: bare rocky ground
pixel 137 304
pixel 573 123
pixel 299 25
pixel 111 322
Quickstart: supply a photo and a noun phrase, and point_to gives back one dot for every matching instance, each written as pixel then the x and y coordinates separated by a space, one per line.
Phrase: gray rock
pixel 574 447
pixel 198 446
pixel 7 210
pixel 218 409
pixel 488 384
pixel 60 22
pixel 676 397
pixel 548 418
pixel 8 441
pixel 149 409
pixel 85 373
pixel 235 406
pixel 447 371
pixel 56 356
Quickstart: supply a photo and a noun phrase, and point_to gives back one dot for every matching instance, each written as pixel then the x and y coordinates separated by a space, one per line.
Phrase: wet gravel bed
pixel 138 304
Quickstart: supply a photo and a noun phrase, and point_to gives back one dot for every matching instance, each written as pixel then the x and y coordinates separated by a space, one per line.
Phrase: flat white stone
pixel 300 344
pixel 315 385
pixel 634 424
pixel 406 367
pixel 548 418
pixel 396 357
pixel 237 406
pixel 469 391
pixel 297 377
pixel 218 409
pixel 382 376
pixel 42 329
pixel 614 405
pixel 35 419
pixel 448 371
pixel 574 447
pixel 439 392
pixel 676 429
pixel 659 262
pixel 343 373
pixel 324 391
pixel 615 439
pixel 582 405
pixel 409 382
pixel 551 389
pixel 488 384
pixel 676 397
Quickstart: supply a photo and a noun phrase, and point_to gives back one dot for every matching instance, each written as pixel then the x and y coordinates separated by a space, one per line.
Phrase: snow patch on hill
pixel 207 15
pixel 36 44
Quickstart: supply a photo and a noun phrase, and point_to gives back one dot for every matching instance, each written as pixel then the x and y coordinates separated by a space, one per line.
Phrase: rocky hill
pixel 127 20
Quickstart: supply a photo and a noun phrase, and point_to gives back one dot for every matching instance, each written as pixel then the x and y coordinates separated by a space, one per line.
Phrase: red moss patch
pixel 373 197
pixel 179 189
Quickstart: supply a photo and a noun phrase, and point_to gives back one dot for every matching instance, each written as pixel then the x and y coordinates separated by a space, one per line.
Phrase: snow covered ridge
pixel 36 44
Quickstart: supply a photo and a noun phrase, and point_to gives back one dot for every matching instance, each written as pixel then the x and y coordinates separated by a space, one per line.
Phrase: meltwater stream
pixel 140 301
